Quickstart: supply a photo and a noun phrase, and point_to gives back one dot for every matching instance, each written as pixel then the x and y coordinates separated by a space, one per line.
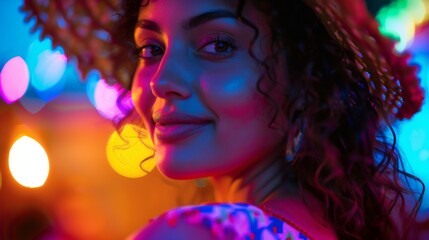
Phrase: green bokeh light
pixel 398 20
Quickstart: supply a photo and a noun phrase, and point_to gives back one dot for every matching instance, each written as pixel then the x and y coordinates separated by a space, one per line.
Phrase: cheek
pixel 234 95
pixel 142 96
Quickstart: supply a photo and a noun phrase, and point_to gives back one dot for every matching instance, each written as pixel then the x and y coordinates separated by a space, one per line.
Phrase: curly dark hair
pixel 347 157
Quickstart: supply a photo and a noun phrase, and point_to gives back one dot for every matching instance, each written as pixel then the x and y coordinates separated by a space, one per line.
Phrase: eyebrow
pixel 148 25
pixel 192 23
pixel 208 16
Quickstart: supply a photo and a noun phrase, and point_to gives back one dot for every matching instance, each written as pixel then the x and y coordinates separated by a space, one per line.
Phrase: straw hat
pixel 84 29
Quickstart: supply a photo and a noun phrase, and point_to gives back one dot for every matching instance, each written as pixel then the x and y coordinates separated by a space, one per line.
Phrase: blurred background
pixel 60 177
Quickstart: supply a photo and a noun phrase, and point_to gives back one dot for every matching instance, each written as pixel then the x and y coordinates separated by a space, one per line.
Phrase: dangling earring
pixel 293 146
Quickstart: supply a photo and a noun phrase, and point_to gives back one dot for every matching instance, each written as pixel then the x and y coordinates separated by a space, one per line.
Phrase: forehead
pixel 182 10
pixel 171 8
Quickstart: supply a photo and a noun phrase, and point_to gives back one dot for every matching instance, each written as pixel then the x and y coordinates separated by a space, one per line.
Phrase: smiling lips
pixel 173 127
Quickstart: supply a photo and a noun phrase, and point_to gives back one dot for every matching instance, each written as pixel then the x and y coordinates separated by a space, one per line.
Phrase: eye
pixel 150 51
pixel 218 46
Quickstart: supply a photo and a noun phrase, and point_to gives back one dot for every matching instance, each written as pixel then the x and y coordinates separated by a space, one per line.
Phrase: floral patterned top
pixel 237 221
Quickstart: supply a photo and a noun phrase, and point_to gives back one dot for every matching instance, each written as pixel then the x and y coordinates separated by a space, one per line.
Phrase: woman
pixel 286 106
pixel 263 98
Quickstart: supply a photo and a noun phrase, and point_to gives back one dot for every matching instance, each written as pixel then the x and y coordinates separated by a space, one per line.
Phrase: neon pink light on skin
pixel 105 97
pixel 14 79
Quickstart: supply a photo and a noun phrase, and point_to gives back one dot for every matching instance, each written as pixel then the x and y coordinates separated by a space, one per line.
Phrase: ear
pixel 294 126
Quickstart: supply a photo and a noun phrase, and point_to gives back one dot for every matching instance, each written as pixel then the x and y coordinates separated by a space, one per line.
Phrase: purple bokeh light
pixel 14 79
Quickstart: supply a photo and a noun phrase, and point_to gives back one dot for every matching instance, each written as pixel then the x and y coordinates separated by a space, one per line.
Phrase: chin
pixel 181 171
pixel 181 175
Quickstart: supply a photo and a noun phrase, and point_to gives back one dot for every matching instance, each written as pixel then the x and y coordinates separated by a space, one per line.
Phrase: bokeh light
pixel 399 19
pixel 91 83
pixel 14 79
pixel 105 98
pixel 413 141
pixel 406 21
pixel 28 162
pixel 413 134
pixel 129 153
pixel 47 68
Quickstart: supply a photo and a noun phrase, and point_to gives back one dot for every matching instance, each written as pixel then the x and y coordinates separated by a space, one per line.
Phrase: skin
pixel 195 90
pixel 182 71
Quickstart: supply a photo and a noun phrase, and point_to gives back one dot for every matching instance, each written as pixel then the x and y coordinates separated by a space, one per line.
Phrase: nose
pixel 172 78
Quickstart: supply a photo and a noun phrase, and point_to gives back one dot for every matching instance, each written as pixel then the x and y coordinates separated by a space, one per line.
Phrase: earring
pixel 293 146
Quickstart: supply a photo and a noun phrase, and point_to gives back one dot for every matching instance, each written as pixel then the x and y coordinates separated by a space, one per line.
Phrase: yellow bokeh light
pixel 426 3
pixel 129 153
pixel 28 162
pixel 416 10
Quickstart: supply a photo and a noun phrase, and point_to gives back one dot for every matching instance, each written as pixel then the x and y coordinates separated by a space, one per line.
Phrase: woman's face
pixel 195 87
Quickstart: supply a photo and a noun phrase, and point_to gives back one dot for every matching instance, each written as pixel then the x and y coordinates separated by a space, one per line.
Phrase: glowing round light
pixel 14 79
pixel 49 70
pixel 416 9
pixel 401 27
pixel 426 3
pixel 399 19
pixel 91 83
pixel 105 97
pixel 129 153
pixel 413 134
pixel 28 162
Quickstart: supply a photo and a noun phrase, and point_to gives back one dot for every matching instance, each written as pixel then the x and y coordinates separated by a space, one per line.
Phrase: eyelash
pixel 216 39
pixel 139 50
pixel 228 42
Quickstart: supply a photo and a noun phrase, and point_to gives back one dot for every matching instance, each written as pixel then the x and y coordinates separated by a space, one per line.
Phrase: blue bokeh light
pixel 413 134
pixel 16 35
pixel 91 83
